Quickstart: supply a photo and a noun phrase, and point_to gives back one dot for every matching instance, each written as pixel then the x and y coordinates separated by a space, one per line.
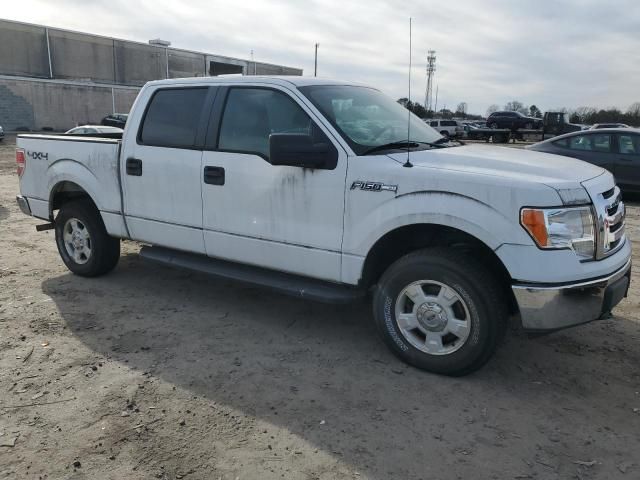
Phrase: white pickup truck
pixel 328 191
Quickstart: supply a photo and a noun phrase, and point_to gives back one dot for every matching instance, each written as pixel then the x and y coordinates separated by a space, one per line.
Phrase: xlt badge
pixel 374 186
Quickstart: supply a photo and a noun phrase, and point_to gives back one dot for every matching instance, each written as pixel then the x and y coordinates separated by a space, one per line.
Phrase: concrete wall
pixel 34 105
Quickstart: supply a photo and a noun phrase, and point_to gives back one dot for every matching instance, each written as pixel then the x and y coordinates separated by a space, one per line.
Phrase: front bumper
pixel 544 308
pixel 23 203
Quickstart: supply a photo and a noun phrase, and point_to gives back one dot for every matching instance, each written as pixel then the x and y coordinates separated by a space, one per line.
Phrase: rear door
pixel 161 168
pixel 627 169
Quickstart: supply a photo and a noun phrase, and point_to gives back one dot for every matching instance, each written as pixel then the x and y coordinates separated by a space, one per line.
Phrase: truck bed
pixel 57 162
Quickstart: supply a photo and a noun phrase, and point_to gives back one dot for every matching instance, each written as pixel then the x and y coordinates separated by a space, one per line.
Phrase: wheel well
pixel 404 240
pixel 65 192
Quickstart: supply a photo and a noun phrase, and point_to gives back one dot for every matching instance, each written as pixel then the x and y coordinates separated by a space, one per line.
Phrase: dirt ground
pixel 151 372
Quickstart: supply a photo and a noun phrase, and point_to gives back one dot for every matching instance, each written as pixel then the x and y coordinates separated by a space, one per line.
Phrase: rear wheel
pixel 493 125
pixel 444 133
pixel 440 310
pixel 83 242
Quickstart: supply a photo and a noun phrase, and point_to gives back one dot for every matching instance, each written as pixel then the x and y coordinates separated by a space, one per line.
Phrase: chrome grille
pixel 610 213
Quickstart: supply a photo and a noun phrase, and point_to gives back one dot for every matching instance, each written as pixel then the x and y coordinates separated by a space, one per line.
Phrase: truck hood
pixel 522 165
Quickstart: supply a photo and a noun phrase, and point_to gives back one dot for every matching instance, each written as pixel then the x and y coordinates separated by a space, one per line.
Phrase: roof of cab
pixel 232 79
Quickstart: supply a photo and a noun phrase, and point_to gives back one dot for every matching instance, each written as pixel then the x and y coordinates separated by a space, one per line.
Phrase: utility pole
pixel 315 63
pixel 431 69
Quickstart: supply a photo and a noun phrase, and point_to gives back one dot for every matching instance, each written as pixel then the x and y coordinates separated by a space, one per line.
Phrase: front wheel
pixel 83 242
pixel 440 310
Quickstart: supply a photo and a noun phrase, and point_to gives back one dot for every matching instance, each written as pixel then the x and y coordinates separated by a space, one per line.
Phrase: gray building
pixel 56 79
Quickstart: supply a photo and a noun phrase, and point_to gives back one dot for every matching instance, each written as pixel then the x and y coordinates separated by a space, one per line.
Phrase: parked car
pixel 327 191
pixel 448 128
pixel 617 150
pixel 598 126
pixel 115 120
pixel 513 121
pixel 91 129
pixel 1 133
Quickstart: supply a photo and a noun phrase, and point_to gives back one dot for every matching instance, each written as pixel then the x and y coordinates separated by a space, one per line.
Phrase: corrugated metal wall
pixel 87 75
pixel 24 50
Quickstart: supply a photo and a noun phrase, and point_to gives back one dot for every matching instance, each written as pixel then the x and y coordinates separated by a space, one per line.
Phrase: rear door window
pixel 448 123
pixel 173 117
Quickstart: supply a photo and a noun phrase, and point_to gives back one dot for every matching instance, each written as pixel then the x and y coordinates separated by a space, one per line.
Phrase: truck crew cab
pixel 321 189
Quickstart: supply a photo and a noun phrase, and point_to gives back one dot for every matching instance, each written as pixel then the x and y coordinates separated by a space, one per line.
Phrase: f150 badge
pixel 374 186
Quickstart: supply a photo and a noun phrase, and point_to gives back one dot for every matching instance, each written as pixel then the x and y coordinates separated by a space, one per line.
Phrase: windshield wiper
pixel 403 144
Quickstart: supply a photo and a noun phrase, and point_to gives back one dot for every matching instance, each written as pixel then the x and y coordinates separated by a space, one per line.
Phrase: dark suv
pixel 115 120
pixel 512 121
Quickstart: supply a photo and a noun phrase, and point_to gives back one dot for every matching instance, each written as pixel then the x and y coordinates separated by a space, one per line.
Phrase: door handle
pixel 214 175
pixel 134 167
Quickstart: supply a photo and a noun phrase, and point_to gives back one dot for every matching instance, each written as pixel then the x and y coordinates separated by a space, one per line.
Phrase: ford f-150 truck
pixel 331 191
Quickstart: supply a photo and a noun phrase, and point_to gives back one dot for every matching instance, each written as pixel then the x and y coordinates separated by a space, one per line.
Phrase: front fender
pixel 455 210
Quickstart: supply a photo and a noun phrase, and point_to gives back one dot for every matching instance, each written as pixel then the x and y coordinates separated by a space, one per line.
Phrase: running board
pixel 289 284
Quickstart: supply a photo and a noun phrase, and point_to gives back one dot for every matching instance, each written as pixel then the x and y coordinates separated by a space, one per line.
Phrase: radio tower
pixel 431 69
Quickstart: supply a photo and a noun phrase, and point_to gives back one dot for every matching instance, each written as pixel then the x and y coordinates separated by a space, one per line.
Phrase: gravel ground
pixel 151 372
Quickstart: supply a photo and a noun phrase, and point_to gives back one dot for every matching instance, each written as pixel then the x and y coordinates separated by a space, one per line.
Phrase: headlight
pixel 554 228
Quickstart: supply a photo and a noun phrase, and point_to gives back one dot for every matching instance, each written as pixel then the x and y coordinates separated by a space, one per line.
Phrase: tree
pixel 634 110
pixel 492 108
pixel 585 114
pixel 445 113
pixel 535 112
pixel 461 110
pixel 516 106
pixel 403 101
pixel 415 107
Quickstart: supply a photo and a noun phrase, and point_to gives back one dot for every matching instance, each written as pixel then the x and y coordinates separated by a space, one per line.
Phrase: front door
pixel 280 217
pixel 162 171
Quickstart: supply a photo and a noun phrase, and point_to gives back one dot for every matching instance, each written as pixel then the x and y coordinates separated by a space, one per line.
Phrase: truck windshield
pixel 367 118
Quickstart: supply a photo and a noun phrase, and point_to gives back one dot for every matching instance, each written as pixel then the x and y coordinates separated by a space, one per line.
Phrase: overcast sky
pixel 556 53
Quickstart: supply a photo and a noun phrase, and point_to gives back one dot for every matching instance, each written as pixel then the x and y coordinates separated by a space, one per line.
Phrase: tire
pixel 83 242
pixel 528 126
pixel 445 134
pixel 477 312
pixel 493 126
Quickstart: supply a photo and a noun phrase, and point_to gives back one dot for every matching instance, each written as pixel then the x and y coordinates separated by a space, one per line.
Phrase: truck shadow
pixel 294 363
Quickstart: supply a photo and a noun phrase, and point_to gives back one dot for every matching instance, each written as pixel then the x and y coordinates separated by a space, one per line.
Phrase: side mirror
pixel 299 150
